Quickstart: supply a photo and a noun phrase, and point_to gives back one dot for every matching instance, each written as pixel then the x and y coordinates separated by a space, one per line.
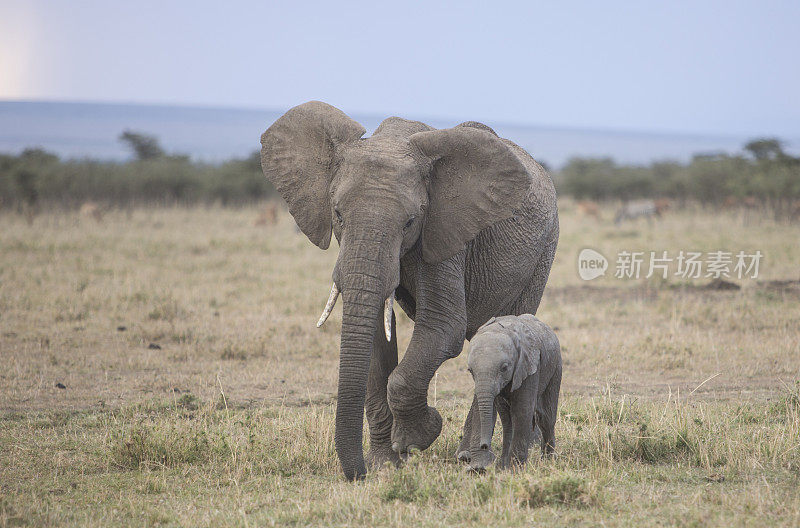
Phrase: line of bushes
pixel 763 172
pixel 37 177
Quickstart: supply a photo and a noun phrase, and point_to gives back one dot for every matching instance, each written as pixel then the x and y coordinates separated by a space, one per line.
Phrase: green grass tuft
pixel 152 446
pixel 562 489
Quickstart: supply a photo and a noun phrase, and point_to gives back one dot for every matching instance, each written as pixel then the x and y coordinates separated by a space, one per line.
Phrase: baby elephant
pixel 515 362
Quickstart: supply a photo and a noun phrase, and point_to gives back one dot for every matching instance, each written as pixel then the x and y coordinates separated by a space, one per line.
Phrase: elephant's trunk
pixel 361 309
pixel 364 273
pixel 485 399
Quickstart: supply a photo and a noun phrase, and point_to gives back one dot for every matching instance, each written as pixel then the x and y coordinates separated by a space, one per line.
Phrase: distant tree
pixel 25 178
pixel 37 156
pixel 253 161
pixel 765 148
pixel 30 166
pixel 589 178
pixel 144 146
pixel 709 156
pixel 26 185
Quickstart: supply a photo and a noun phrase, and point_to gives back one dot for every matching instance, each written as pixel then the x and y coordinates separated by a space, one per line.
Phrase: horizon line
pixel 371 115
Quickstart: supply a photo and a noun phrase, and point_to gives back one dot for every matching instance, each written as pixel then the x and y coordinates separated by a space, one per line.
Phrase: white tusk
pixel 329 305
pixel 387 317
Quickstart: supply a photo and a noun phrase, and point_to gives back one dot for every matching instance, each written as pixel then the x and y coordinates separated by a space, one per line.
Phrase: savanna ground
pixel 162 368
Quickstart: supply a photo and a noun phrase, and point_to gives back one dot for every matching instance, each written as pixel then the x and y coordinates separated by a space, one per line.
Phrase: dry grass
pixel 179 334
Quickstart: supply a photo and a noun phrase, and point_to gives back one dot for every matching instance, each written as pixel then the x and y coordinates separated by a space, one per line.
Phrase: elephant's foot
pixel 379 455
pixel 480 459
pixel 506 464
pixel 462 453
pixel 417 432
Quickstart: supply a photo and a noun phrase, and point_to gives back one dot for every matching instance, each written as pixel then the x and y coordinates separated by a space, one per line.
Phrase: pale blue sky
pixel 686 66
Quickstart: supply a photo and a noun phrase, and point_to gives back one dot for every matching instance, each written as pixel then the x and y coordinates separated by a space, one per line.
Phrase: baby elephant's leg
pixel 504 410
pixel 523 405
pixel 547 413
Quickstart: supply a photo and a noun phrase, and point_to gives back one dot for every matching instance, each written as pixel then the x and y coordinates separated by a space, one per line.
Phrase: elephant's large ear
pixel 297 152
pixel 528 354
pixel 476 181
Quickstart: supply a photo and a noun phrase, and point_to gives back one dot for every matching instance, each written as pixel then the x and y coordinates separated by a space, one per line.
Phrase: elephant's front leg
pixel 463 453
pixel 504 410
pixel 439 329
pixel 523 405
pixel 379 417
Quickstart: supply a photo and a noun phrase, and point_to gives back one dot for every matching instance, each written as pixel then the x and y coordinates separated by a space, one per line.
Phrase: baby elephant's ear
pixel 528 355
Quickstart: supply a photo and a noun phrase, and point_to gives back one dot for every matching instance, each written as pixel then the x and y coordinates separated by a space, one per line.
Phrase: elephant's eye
pixel 338 216
pixel 504 367
pixel 409 223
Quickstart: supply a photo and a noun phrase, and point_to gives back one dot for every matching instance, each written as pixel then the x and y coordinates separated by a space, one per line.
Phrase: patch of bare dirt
pixel 599 293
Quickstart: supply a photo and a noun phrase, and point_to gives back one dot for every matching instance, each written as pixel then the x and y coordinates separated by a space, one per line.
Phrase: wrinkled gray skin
pixel 516 365
pixel 460 224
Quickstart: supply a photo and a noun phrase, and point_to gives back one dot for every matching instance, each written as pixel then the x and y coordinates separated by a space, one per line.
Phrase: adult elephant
pixel 458 225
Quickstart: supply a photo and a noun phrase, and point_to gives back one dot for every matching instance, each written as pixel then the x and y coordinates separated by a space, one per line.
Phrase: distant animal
pixel 93 210
pixel 588 208
pixel 747 202
pixel 641 208
pixel 750 202
pixel 662 204
pixel 730 202
pixel 515 362
pixel 794 210
pixel 268 215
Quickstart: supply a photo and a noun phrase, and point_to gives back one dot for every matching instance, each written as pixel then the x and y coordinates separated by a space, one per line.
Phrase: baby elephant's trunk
pixel 487 417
